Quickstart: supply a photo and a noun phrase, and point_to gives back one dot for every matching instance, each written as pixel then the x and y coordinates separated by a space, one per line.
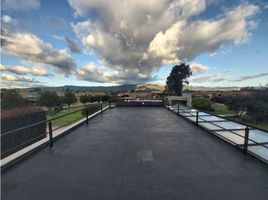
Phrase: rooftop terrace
pixel 137 153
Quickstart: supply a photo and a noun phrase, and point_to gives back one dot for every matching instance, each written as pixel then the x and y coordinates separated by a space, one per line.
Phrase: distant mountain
pixel 150 87
pixel 74 88
pixel 202 88
pixel 129 87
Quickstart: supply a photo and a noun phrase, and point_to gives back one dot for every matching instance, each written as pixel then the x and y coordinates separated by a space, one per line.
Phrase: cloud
pixel 198 68
pixel 21 70
pixel 207 79
pixel 7 19
pixel 145 35
pixel 57 22
pixel 73 46
pixel 29 47
pixel 243 78
pixel 8 77
pixel 100 74
pixel 21 5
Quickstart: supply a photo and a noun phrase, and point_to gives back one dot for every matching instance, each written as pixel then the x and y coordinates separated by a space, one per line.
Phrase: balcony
pixel 137 153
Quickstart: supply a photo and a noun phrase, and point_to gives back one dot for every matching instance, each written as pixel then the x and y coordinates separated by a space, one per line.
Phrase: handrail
pixel 191 113
pixel 243 123
pixel 40 122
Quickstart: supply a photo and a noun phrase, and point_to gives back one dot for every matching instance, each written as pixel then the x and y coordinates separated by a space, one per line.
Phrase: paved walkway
pixel 137 153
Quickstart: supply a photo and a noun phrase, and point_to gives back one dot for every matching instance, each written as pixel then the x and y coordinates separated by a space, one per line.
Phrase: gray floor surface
pixel 137 153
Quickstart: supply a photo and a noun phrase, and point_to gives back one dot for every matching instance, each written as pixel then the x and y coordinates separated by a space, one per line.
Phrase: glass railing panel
pixel 258 136
pixel 185 114
pixel 194 119
pixel 210 126
pixel 229 125
pixel 236 139
pixel 260 151
pixel 211 118
pixel 204 114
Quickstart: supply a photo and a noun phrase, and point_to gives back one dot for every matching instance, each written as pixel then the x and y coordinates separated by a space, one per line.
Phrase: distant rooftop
pixel 137 153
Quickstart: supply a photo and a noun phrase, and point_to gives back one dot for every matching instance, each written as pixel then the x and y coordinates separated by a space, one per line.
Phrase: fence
pixel 249 139
pixel 52 131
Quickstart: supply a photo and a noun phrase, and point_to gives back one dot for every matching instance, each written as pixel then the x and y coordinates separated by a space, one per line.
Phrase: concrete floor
pixel 137 153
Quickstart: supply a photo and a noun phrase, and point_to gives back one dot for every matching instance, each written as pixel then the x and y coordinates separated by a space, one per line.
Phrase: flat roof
pixel 137 153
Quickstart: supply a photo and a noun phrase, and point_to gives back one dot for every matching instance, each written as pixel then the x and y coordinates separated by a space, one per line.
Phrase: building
pixel 185 99
pixel 29 95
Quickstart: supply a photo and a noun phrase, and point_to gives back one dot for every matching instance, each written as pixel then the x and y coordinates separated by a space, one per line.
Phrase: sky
pixel 114 42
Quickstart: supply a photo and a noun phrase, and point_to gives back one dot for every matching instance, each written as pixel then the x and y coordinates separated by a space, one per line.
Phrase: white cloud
pixel 72 44
pixel 243 78
pixel 21 70
pixel 208 79
pixel 7 19
pixel 198 68
pixel 57 22
pixel 144 35
pixel 21 5
pixel 8 77
pixel 31 48
pixel 100 74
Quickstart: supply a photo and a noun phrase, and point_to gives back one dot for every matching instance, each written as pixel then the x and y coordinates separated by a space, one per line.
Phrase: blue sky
pixel 97 42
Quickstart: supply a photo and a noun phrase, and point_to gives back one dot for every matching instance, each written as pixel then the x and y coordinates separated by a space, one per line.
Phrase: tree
pixel 239 104
pixel 201 103
pixel 84 99
pixel 177 78
pixel 105 97
pixel 11 99
pixel 49 99
pixel 258 110
pixel 69 98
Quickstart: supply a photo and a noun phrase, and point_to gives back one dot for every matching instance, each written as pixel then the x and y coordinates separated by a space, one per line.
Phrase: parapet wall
pixel 139 102
pixel 17 118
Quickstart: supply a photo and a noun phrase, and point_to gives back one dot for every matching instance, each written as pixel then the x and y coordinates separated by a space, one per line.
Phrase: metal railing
pixel 199 119
pixel 88 110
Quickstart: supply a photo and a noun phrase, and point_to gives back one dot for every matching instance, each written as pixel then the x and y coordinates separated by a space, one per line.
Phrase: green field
pixel 69 119
pixel 221 109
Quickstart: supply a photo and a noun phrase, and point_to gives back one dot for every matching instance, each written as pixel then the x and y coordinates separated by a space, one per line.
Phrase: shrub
pixel 12 99
pixel 201 103
pixel 57 109
pixel 91 109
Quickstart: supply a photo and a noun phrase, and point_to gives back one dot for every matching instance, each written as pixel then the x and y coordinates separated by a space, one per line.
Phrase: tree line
pixel 254 105
pixel 11 99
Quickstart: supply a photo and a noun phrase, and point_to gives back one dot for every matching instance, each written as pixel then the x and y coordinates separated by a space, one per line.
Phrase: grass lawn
pixel 221 109
pixel 72 117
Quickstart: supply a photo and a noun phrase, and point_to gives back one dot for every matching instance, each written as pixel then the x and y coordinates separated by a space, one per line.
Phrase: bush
pixel 91 109
pixel 49 99
pixel 201 103
pixel 12 99
pixel 84 99
pixel 57 109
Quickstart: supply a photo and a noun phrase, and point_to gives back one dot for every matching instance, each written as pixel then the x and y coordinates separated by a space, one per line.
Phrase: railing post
pixel 50 134
pixel 109 104
pixel 178 109
pixel 196 120
pixel 87 115
pixel 101 107
pixel 245 150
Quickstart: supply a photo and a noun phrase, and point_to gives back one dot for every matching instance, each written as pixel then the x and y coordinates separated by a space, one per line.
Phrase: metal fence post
pixel 50 134
pixel 245 150
pixel 178 109
pixel 101 107
pixel 196 120
pixel 87 115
